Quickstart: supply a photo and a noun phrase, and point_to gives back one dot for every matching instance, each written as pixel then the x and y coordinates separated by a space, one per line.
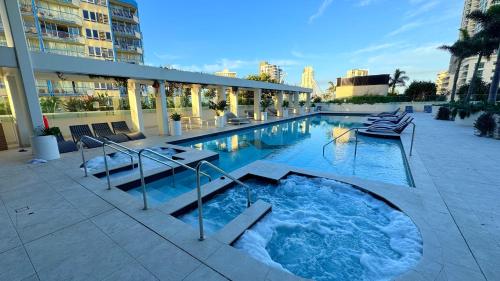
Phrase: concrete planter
pixel 220 121
pixel 496 133
pixel 176 128
pixel 468 121
pixel 45 147
pixel 263 116
pixel 298 111
pixel 285 112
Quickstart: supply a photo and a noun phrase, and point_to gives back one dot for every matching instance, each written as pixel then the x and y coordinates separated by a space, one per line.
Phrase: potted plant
pixel 176 124
pixel 301 107
pixel 219 108
pixel 443 113
pixel 485 125
pixel 44 143
pixel 285 106
pixel 264 104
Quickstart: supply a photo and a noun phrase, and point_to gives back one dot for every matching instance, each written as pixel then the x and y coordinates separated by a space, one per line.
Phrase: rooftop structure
pixel 362 85
pixel 226 73
pixel 356 72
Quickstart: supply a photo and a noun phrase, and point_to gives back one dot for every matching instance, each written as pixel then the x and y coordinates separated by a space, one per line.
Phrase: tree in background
pixel 399 78
pixel 490 25
pixel 264 77
pixel 460 50
pixel 421 90
pixel 480 92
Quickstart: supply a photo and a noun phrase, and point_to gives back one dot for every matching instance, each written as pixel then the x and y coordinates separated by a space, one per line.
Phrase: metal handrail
pixel 104 144
pixel 198 191
pixel 355 147
pixel 412 137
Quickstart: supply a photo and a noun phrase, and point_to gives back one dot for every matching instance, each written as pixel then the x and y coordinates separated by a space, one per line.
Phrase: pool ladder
pixel 131 152
pixel 337 137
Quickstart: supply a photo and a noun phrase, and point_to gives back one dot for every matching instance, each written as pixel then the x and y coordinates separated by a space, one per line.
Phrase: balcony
pixel 64 52
pixel 126 32
pixel 129 60
pixel 124 15
pixel 70 3
pixel 129 48
pixel 63 36
pixel 59 17
pixel 64 91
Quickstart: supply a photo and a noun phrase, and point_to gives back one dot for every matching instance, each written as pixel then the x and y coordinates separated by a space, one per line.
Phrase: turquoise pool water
pixel 297 143
pixel 319 229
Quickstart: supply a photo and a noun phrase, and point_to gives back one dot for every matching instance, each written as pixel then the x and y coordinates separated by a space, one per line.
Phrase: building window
pixel 108 36
pixel 91 51
pixel 92 16
pixel 97 51
pixel 86 15
pixel 95 34
pixel 88 33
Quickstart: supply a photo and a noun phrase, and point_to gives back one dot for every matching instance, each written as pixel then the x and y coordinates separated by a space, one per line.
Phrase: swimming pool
pixel 319 229
pixel 297 143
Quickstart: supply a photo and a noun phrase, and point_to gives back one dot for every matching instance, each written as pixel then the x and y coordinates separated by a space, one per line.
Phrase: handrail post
pixel 356 144
pixel 106 164
pixel 143 182
pixel 412 138
pixel 83 159
pixel 200 202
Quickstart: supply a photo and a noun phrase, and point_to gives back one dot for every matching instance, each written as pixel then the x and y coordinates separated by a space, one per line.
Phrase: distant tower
pixel 274 71
pixel 308 81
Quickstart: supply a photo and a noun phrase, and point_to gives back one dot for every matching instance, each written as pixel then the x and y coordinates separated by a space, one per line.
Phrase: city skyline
pixel 315 34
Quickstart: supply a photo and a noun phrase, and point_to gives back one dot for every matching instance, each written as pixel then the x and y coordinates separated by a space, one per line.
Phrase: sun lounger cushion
pixel 103 130
pixel 122 127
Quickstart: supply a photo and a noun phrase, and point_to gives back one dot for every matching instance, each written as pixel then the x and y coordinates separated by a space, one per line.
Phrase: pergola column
pixel 308 100
pixel 296 100
pixel 196 100
pixel 279 103
pixel 161 109
pixel 233 101
pixel 134 98
pixel 24 94
pixel 178 97
pixel 221 93
pixel 257 96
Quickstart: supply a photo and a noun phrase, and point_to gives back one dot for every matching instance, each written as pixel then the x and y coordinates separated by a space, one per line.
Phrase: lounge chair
pixel 103 130
pixel 121 127
pixel 389 113
pixel 272 112
pixel 318 108
pixel 235 120
pixel 385 128
pixel 389 121
pixel 64 145
pixel 250 114
pixel 78 131
pixel 396 118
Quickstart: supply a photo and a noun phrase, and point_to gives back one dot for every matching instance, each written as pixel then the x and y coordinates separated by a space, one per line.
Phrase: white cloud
pixel 373 48
pixel 424 8
pixel 321 10
pixel 406 27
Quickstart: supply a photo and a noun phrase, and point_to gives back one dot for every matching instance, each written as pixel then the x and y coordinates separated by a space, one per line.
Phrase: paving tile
pixel 167 262
pixel 131 272
pixel 15 265
pixel 79 252
pixel 204 273
pixel 8 235
pixel 85 201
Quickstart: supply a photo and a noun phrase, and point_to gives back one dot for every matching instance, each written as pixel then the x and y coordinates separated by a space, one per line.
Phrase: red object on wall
pixel 45 122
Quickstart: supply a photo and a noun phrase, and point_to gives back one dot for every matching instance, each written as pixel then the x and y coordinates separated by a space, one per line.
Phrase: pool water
pixel 320 229
pixel 297 143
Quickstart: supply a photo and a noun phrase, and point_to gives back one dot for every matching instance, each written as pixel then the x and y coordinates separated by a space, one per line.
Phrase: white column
pixel 25 98
pixel 257 95
pixel 17 100
pixel 134 98
pixel 196 100
pixel 233 101
pixel 221 93
pixel 308 100
pixel 295 100
pixel 177 97
pixel 279 103
pixel 162 110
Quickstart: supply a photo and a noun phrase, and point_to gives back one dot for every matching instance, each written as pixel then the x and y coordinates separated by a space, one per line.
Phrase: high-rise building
pixel 308 77
pixel 356 72
pixel 274 71
pixel 226 73
pixel 442 82
pixel 486 67
pixel 99 29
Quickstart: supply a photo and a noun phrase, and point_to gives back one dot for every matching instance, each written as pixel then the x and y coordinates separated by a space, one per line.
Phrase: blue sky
pixel 331 35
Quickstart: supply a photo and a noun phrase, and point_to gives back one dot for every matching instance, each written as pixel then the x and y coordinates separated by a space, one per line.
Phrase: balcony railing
pixel 74 3
pixel 48 14
pixel 129 48
pixel 63 36
pixel 66 91
pixel 124 15
pixel 126 31
pixel 64 52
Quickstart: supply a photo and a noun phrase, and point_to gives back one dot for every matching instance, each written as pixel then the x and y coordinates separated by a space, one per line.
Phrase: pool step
pixel 235 228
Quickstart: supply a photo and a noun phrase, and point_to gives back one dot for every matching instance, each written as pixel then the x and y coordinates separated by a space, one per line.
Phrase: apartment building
pixel 226 73
pixel 274 71
pixel 442 82
pixel 486 67
pixel 356 72
pixel 98 29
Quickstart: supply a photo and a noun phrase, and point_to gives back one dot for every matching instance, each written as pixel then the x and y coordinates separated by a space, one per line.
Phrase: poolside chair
pixel 396 118
pixel 78 131
pixel 390 113
pixel 250 114
pixel 64 145
pixel 121 127
pixel 103 130
pixel 387 121
pixel 385 128
pixel 235 120
pixel 272 112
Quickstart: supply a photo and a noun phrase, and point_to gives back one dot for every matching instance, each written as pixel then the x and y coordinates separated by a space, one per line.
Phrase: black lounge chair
pixel 235 120
pixel 272 112
pixel 398 129
pixel 64 145
pixel 121 127
pixel 387 113
pixel 250 114
pixel 388 122
pixel 78 131
pixel 103 130
pixel 395 118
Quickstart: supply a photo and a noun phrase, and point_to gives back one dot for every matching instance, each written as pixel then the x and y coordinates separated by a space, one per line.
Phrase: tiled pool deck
pixel 56 224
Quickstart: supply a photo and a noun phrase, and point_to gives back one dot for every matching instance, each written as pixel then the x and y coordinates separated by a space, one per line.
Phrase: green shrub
pixel 443 113
pixel 485 124
pixel 175 116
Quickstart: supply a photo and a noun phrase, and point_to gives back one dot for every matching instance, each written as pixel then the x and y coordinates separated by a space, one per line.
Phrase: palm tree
pixel 490 25
pixel 482 46
pixel 460 50
pixel 398 79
